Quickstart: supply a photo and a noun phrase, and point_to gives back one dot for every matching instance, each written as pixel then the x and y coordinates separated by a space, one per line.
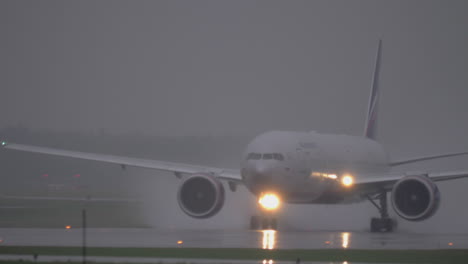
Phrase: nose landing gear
pixel 267 206
pixel 262 222
pixel 384 224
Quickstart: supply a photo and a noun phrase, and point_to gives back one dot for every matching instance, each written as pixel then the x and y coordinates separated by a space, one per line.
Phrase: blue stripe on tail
pixel 370 130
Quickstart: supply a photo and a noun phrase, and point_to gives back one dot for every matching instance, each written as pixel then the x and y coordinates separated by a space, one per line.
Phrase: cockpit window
pixel 254 156
pixel 265 156
pixel 278 156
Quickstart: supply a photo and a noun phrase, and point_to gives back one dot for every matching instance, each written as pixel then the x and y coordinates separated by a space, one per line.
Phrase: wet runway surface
pixel 266 239
pixel 162 260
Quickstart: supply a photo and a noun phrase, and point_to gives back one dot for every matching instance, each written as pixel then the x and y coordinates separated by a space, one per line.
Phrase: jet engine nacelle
pixel 415 198
pixel 201 195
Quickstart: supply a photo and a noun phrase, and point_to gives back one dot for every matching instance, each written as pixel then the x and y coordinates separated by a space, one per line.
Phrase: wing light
pixel 347 180
pixel 325 175
pixel 269 201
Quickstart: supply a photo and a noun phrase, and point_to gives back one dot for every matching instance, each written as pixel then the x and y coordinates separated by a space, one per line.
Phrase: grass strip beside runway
pixel 355 255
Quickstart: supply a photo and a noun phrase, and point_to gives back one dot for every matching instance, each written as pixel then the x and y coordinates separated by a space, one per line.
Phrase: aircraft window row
pixel 265 156
pixel 254 156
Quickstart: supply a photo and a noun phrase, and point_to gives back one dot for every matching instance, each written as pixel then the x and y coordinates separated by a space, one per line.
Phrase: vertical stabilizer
pixel 370 130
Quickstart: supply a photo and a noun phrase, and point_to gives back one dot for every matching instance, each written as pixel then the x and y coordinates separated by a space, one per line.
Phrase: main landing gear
pixel 384 223
pixel 263 222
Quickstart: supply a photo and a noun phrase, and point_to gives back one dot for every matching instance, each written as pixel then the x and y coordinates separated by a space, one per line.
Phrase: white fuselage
pixel 305 167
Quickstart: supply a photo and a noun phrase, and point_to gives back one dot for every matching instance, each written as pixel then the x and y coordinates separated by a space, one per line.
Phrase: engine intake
pixel 201 196
pixel 415 198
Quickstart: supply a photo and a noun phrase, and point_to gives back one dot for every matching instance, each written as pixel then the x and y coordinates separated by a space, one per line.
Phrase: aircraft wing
pixel 424 158
pixel 72 199
pixel 177 168
pixel 373 182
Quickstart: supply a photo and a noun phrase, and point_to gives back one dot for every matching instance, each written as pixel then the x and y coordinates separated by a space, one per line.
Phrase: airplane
pixel 301 168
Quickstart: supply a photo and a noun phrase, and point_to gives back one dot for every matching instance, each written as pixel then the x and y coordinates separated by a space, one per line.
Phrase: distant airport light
pixel 269 201
pixel 450 244
pixel 180 242
pixel 347 180
pixel 68 227
pixel 4 143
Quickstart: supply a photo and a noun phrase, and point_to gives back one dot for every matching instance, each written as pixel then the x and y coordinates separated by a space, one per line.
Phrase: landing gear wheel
pixel 269 223
pixel 273 224
pixel 382 225
pixel 255 222
pixel 263 223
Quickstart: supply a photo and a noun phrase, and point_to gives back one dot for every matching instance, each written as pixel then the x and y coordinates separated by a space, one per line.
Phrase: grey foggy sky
pixel 233 67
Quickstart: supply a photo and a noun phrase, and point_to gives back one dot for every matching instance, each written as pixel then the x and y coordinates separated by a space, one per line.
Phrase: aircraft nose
pixel 261 174
pixel 260 169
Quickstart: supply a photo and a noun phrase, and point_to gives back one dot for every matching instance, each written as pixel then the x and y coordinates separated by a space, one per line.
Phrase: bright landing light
pixel 347 180
pixel 269 201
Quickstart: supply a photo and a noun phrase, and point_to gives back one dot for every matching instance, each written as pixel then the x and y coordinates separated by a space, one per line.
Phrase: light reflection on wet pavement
pixel 266 239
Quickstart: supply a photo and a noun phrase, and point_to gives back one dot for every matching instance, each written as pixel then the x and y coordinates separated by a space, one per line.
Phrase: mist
pixel 195 81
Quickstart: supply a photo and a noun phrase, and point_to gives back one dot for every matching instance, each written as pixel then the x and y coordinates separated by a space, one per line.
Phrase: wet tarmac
pixel 160 260
pixel 266 239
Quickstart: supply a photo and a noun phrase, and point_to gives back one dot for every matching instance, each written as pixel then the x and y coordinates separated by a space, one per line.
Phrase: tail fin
pixel 370 130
